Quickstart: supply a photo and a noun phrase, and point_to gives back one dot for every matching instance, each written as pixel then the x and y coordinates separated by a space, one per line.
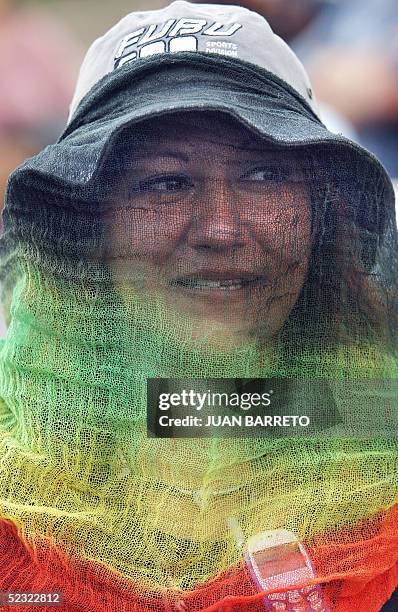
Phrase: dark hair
pixel 355 306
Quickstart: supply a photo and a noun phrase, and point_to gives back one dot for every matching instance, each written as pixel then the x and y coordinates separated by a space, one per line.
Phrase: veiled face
pixel 214 221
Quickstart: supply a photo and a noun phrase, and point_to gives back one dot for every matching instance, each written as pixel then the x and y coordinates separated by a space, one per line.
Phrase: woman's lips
pixel 225 286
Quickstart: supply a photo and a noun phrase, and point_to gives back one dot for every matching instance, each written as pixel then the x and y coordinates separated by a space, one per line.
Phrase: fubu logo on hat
pixel 176 35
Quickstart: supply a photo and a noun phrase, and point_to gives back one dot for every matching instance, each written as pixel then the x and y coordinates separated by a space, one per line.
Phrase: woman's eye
pixel 165 184
pixel 259 174
pixel 268 174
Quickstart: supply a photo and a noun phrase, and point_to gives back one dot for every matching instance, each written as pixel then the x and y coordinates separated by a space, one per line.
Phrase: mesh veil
pixel 192 245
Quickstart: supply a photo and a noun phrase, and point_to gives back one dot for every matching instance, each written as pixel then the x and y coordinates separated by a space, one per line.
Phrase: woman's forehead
pixel 188 131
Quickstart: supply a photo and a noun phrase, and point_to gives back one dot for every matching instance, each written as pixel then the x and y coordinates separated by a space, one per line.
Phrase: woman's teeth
pixel 197 283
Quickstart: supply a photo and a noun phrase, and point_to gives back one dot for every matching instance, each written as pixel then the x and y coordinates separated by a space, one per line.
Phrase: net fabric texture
pixel 187 244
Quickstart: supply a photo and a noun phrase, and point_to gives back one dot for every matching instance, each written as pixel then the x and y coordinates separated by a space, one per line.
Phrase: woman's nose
pixel 216 222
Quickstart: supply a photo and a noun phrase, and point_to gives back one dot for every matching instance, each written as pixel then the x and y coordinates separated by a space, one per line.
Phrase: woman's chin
pixel 220 337
pixel 198 327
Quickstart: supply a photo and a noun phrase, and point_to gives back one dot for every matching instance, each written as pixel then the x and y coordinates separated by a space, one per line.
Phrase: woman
pixel 195 223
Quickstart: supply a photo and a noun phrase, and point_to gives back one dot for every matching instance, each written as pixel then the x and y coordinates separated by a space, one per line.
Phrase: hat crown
pixel 216 30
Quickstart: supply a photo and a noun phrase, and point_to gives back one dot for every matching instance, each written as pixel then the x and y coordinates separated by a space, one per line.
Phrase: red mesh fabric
pixel 87 586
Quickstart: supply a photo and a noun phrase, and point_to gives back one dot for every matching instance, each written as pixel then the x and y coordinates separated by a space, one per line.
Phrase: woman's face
pixel 213 221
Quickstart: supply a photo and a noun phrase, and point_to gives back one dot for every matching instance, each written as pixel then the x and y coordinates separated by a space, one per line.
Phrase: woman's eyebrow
pixel 161 153
pixel 254 154
pixel 259 157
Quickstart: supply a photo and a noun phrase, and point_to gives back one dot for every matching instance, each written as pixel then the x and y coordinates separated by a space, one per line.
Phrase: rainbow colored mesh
pixel 119 521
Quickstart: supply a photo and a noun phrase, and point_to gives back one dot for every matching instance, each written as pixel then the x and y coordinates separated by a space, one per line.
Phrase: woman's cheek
pixel 285 239
pixel 148 235
pixel 284 242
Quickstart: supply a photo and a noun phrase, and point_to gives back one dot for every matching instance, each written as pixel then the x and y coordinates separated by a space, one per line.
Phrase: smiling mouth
pixel 225 284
